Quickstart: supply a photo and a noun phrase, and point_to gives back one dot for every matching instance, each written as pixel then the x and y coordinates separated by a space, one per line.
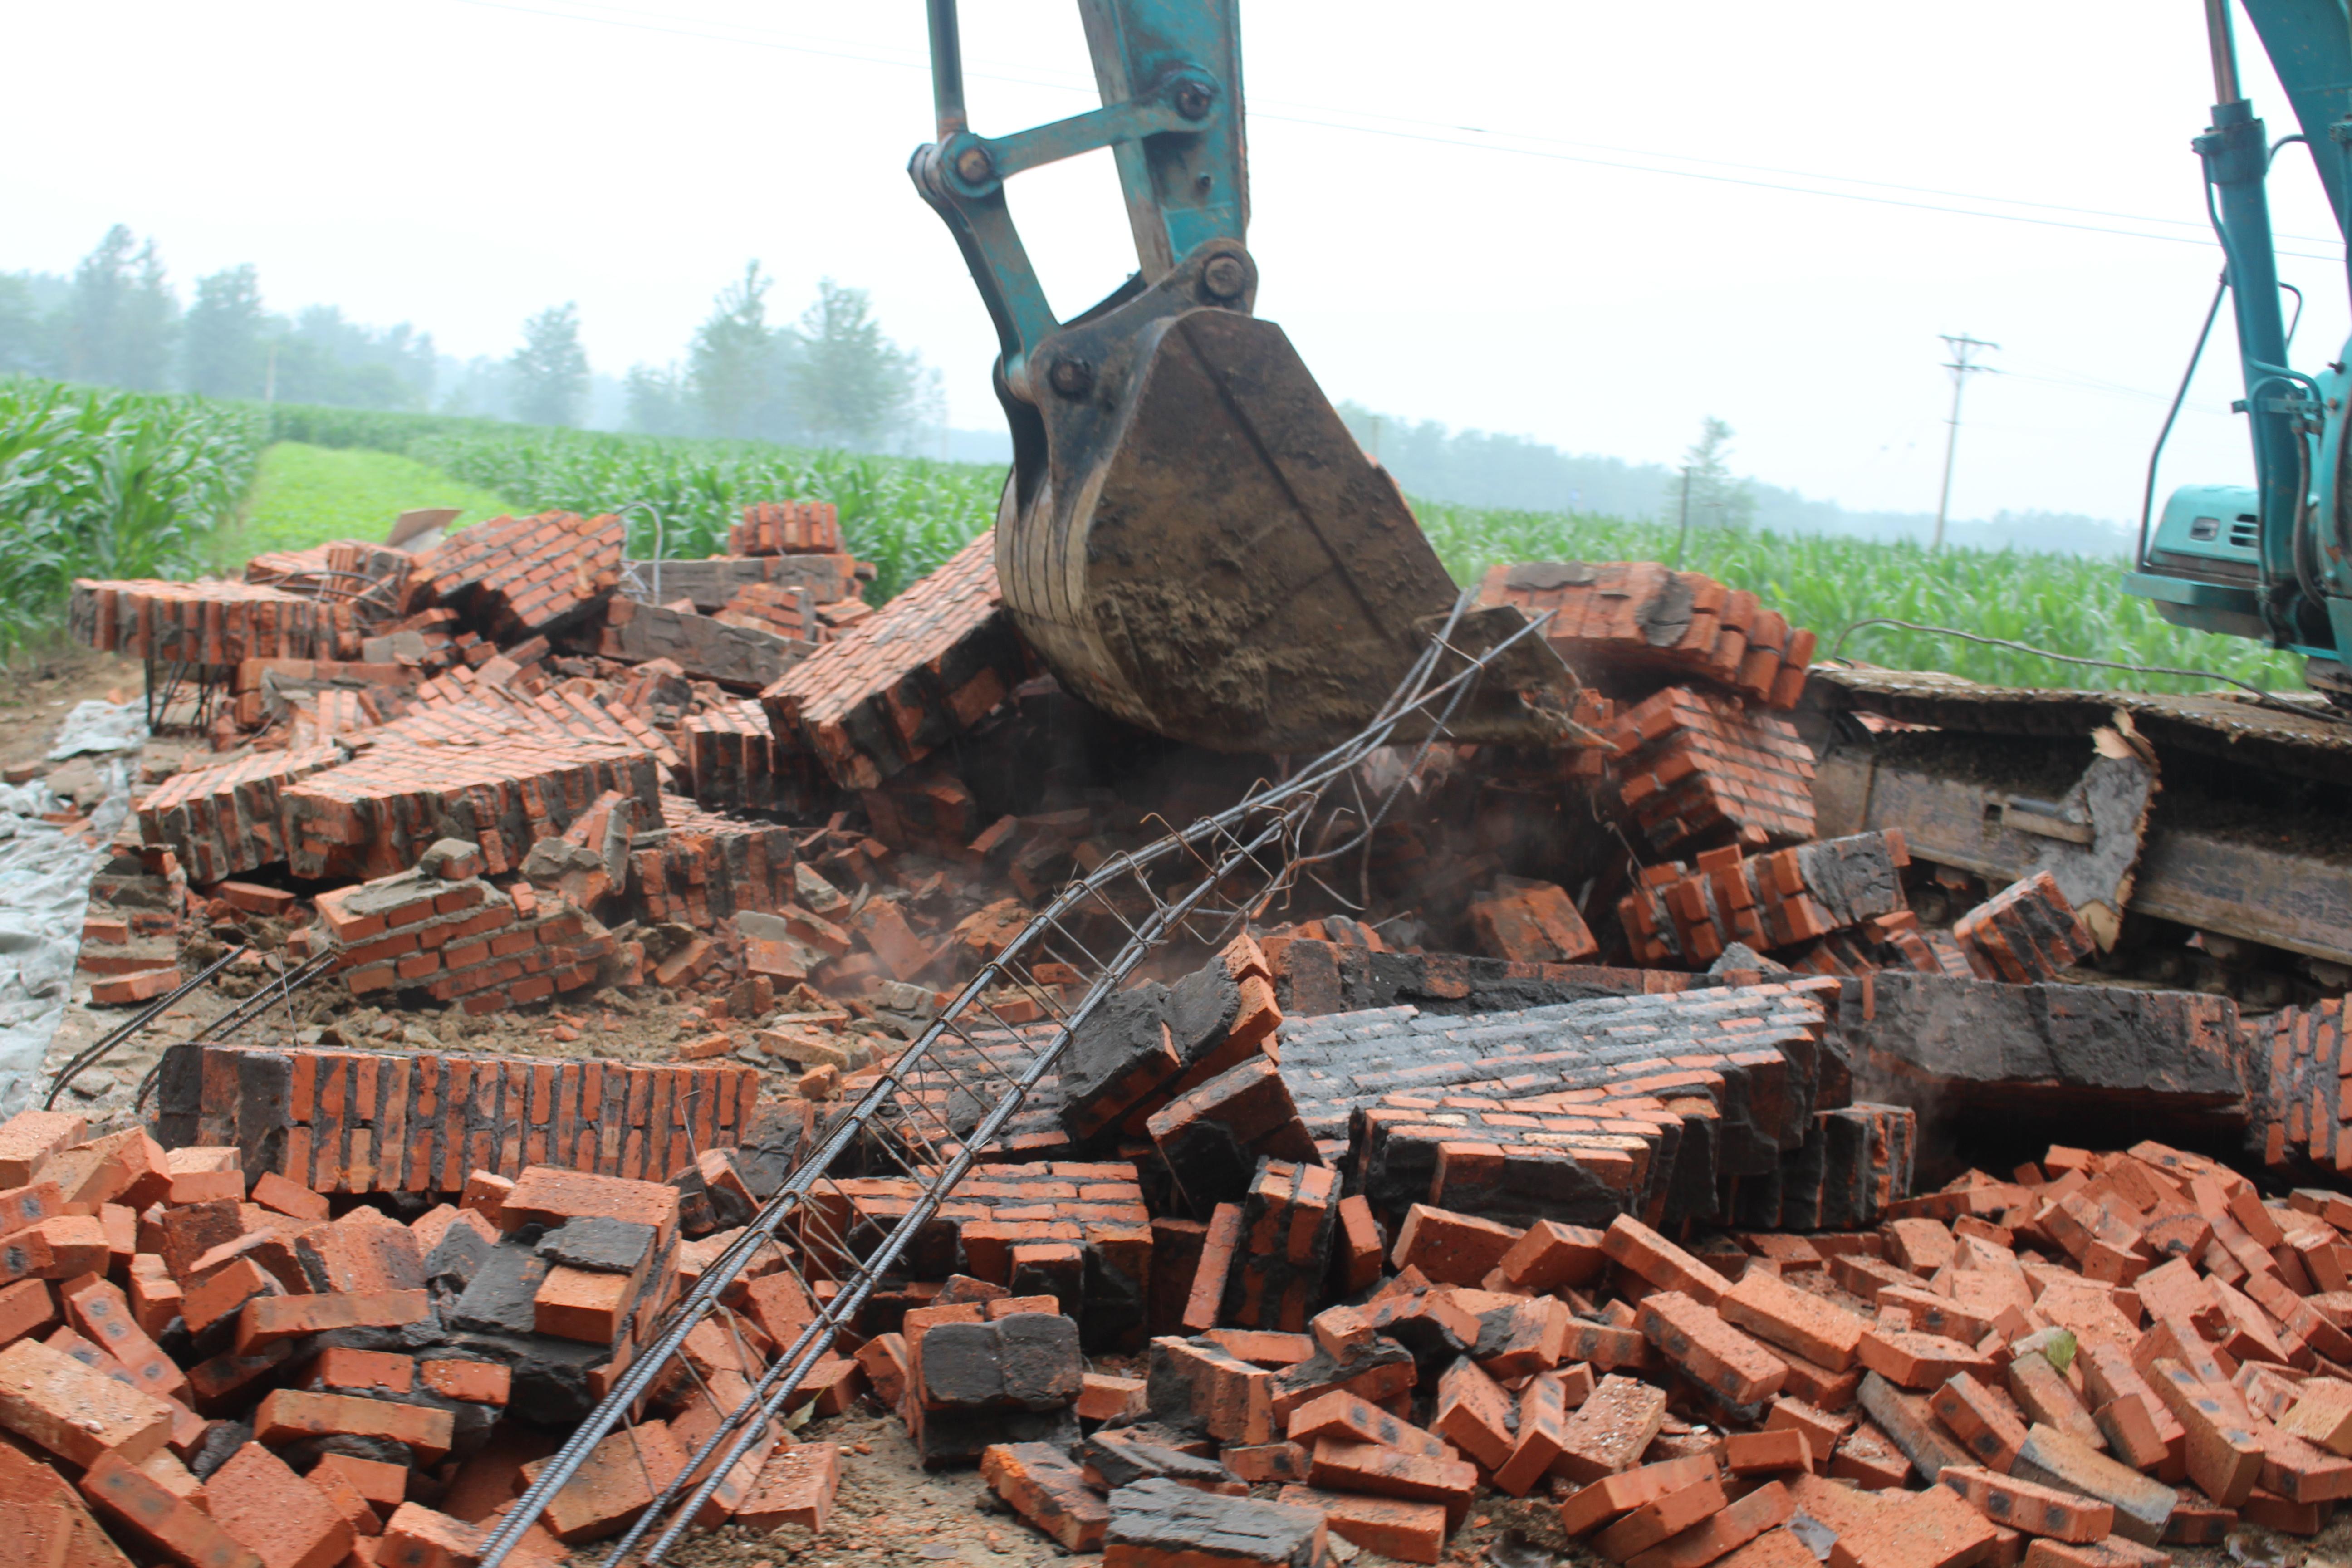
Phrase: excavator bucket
pixel 1189 537
pixel 1193 540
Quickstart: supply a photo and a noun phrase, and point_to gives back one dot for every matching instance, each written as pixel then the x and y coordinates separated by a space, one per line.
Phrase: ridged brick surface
pixel 212 624
pixel 359 1121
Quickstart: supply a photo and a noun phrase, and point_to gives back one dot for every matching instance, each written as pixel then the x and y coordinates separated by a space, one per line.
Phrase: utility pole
pixel 1959 364
pixel 1682 538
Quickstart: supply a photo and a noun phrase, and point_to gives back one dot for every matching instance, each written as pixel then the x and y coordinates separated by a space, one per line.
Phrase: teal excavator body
pixel 2273 563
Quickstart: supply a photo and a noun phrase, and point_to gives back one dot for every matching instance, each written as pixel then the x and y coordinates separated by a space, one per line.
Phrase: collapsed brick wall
pixel 359 1121
pixel 1694 769
pixel 901 682
pixel 461 940
pixel 212 624
pixel 378 813
pixel 223 820
pixel 524 574
pixel 708 868
pixel 1638 618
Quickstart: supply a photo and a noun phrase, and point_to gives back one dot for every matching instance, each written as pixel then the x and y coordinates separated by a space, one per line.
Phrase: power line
pixel 615 16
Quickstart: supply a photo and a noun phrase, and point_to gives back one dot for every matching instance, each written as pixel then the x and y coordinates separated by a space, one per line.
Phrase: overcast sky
pixel 1482 213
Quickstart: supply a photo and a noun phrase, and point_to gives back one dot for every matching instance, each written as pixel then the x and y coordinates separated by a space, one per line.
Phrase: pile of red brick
pixel 2095 1358
pixel 218 1370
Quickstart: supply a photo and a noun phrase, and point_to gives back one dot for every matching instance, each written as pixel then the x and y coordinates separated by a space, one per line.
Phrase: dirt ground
pixel 891 1513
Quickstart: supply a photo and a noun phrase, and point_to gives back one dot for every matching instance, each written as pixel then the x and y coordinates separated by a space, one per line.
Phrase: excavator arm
pixel 1189 537
pixel 2273 563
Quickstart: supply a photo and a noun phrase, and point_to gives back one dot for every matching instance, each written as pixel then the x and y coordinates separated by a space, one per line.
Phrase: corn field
pixel 2066 603
pixel 97 483
pixel 905 515
pixel 104 483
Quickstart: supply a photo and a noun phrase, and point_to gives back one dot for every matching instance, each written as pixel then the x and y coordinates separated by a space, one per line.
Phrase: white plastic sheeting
pixel 96 726
pixel 45 875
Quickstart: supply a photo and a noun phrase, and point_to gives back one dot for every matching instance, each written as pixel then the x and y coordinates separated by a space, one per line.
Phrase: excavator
pixel 2272 561
pixel 1189 537
pixel 1191 540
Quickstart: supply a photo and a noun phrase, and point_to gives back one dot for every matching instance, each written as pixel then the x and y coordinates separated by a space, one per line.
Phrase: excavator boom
pixel 1189 537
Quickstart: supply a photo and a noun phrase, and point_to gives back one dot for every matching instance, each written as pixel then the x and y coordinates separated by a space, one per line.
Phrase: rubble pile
pixel 1672 1138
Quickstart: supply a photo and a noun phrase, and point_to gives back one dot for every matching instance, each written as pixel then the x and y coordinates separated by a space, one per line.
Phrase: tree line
pixel 832 377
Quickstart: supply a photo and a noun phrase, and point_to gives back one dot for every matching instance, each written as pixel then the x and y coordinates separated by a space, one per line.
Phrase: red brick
pixel 148 1511
pixel 1358 1245
pixel 1756 1453
pixel 275 1513
pixel 101 1313
pixel 78 1413
pixel 1643 1251
pixel 1612 1429
pixel 1342 1416
pixel 1257 1463
pixel 1660 1519
pixel 30 1137
pixel 1542 1437
pixel 25 1307
pixel 344 1499
pixel 223 1292
pixel 418 1537
pixel 546 1195
pixel 474 1382
pixel 1766 1507
pixel 55 1248
pixel 1869 1458
pixel 1451 1249
pixel 1387 1472
pixel 1549 1255
pixel 796 1488
pixel 266 1320
pixel 1919 1361
pixel 1593 1506
pixel 123 990
pixel 1822 1429
pixel 384 1486
pixel 2029 1505
pixel 1778 1313
pixel 1046 1487
pixel 1711 1352
pixel 2225 1458
pixel 1405 1532
pixel 290 1414
pixel 1986 1426
pixel 344 1369
pixel 272 1190
pixel 1933 1528
pixel 1474 1413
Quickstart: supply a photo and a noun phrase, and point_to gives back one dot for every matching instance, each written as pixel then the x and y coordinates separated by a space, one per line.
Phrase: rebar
pixel 1255 846
pixel 90 1055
